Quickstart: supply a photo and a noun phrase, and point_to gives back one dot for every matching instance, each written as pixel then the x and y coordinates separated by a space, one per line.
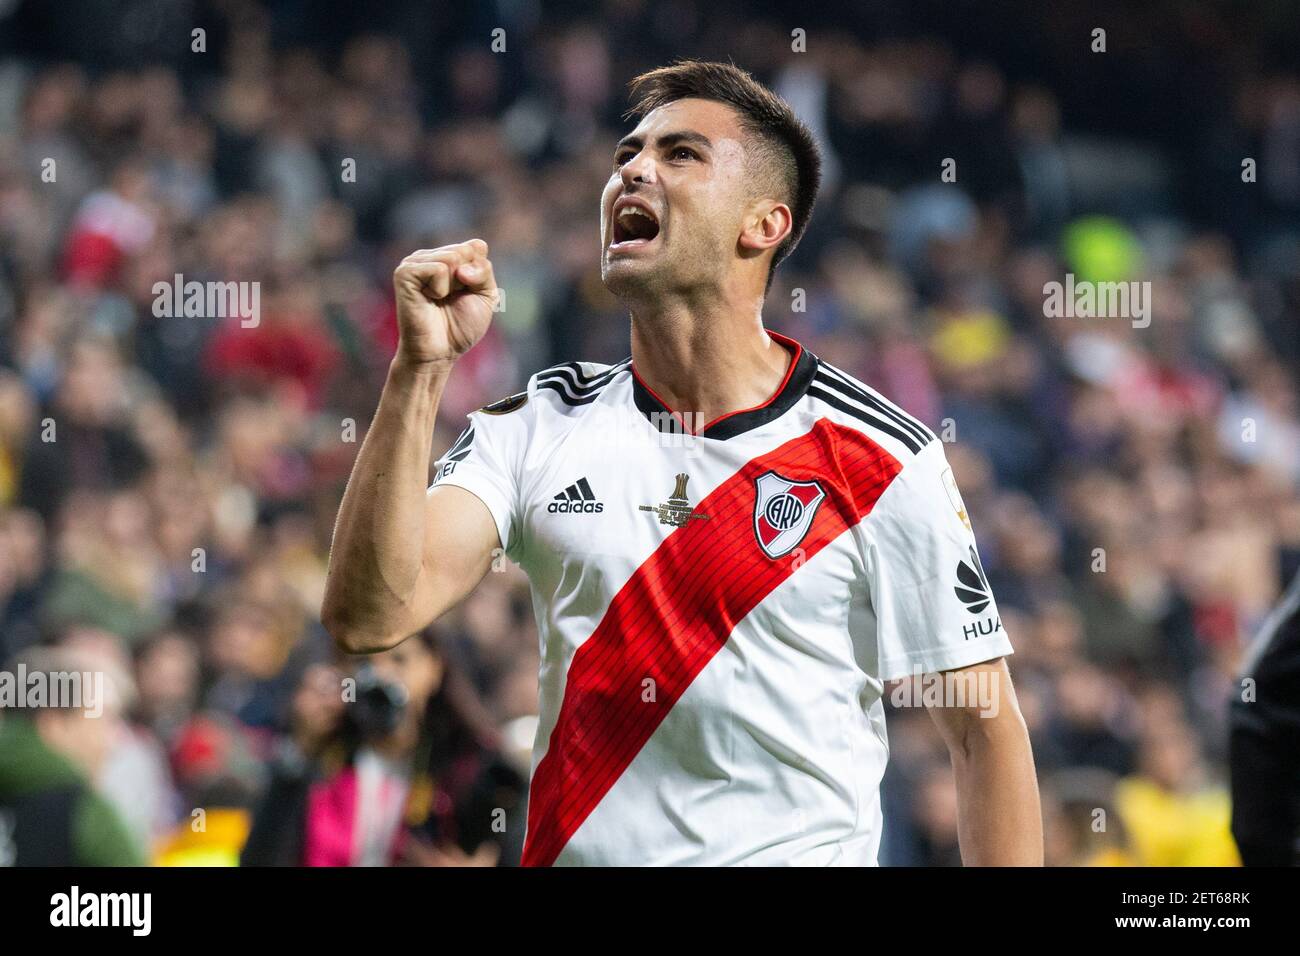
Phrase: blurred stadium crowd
pixel 174 532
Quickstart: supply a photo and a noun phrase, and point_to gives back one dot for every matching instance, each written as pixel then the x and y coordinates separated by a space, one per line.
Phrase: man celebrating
pixel 732 544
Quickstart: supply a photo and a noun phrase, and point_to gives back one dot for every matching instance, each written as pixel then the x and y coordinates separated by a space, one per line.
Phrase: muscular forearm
pixel 376 559
pixel 999 820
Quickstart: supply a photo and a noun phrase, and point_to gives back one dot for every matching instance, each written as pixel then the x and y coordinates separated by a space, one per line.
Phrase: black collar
pixel 797 379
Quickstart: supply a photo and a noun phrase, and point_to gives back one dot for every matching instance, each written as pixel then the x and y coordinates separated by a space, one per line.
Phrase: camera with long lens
pixel 379 705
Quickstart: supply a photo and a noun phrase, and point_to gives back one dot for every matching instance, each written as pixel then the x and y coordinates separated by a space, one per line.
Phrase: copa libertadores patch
pixel 505 405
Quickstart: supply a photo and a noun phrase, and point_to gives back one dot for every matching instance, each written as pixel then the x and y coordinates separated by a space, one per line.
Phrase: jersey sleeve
pixel 484 461
pixel 933 606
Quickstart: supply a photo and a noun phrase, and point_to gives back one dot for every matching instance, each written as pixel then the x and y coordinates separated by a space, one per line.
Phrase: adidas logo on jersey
pixel 578 498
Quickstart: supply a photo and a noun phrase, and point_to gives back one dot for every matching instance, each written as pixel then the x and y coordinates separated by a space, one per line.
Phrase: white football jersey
pixel 718 612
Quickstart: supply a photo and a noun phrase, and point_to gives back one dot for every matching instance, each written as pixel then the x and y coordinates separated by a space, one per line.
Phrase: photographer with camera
pixel 404 772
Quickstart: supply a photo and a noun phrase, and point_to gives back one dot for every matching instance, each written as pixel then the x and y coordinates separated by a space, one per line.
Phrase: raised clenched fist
pixel 445 300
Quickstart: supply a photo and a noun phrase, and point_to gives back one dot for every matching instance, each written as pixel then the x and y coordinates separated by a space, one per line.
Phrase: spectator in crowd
pixel 50 756
pixel 409 774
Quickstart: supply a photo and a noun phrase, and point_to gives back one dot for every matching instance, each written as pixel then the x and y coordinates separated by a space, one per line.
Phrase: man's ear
pixel 767 226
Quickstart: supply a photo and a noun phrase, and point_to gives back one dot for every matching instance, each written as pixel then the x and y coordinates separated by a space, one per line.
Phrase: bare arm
pixel 999 819
pixel 400 556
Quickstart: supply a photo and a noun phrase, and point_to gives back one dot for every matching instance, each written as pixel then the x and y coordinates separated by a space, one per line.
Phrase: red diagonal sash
pixel 675 613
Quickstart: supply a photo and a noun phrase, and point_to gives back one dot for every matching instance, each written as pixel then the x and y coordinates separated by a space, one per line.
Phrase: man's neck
pixel 705 366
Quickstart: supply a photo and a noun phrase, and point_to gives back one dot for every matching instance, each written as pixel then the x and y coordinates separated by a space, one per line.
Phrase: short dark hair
pixel 786 146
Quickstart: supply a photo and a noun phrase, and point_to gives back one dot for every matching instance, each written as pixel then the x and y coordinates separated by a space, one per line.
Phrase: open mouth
pixel 634 226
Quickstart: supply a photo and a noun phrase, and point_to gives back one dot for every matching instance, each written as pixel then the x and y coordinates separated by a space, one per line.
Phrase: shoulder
pixel 572 386
pixel 852 403
pixel 565 387
pixel 564 392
